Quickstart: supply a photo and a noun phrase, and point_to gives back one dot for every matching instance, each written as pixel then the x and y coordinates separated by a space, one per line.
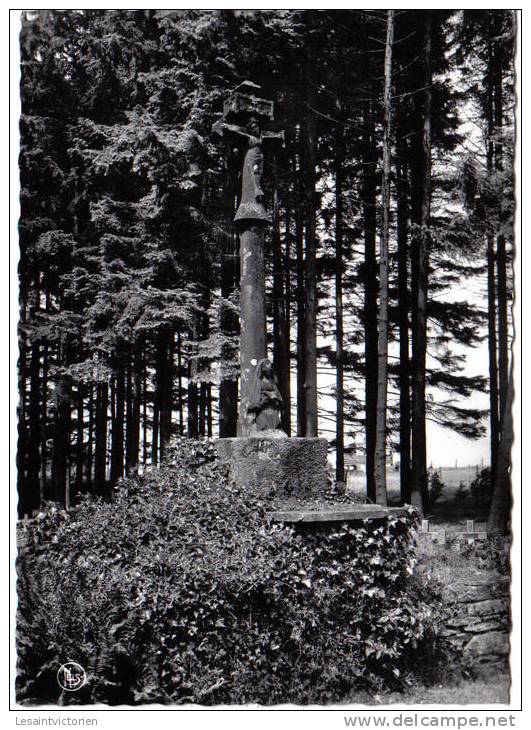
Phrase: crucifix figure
pixel 244 112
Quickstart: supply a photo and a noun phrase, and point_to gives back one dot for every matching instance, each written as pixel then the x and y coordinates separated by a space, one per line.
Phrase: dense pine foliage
pixel 128 259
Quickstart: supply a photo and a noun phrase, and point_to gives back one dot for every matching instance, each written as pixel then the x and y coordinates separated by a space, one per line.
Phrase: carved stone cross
pixel 244 114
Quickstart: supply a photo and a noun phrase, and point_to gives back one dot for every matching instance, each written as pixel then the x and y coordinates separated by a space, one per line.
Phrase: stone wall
pixel 480 622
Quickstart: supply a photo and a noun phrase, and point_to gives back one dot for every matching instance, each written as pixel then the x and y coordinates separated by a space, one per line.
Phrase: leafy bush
pixel 490 554
pixel 481 489
pixel 461 496
pixel 181 591
pixel 435 486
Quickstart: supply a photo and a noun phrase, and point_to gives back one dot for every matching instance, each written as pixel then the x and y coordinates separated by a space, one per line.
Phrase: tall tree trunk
pixel 280 335
pixel 340 396
pixel 403 324
pixel 133 408
pixel 44 419
pixel 209 410
pixel 108 452
pixel 90 442
pixel 32 485
pixel 287 314
pixel 228 387
pixel 100 455
pixel 501 253
pixel 494 410
pixel 180 404
pixel 22 430
pixel 500 508
pixel 145 397
pixel 193 395
pixel 202 409
pixel 61 437
pixel 80 432
pixel 61 442
pixel 310 274
pixel 383 310
pixel 493 362
pixel 117 432
pixel 166 408
pixel 503 338
pixel 157 388
pixel 301 334
pixel 419 467
pixel 370 292
pixel 128 410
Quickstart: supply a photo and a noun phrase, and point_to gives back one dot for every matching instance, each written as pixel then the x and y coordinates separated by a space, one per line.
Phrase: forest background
pixel 128 265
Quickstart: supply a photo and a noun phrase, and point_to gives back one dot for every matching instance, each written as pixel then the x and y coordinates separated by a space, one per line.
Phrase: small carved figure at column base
pixel 264 409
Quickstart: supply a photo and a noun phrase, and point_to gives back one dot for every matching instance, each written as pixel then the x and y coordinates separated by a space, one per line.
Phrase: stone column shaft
pixel 253 342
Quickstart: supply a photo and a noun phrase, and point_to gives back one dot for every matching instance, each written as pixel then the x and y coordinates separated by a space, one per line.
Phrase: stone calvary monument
pixel 261 454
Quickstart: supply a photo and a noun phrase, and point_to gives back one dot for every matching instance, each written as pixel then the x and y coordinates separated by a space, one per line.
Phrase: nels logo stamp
pixel 71 676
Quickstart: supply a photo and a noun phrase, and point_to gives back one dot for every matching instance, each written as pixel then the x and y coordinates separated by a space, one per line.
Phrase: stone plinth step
pixel 350 514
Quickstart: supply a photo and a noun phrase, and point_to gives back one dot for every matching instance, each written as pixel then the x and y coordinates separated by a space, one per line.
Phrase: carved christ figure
pixel 251 203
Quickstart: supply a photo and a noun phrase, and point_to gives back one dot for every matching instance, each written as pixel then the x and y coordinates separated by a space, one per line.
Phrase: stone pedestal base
pixel 283 467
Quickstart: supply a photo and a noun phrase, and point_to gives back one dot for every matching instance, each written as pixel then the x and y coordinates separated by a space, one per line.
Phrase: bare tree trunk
pixel 166 406
pixel 108 452
pixel 157 394
pixel 287 315
pixel 90 442
pixel 403 322
pixel 61 438
pixel 500 508
pixel 133 408
pixel 493 362
pixel 145 425
pixel 100 457
pixel 117 431
pixel 501 253
pixel 228 387
pixel 32 484
pixel 22 428
pixel 80 430
pixel 209 410
pixel 503 338
pixel 280 334
pixel 383 323
pixel 419 467
pixel 180 404
pixel 128 412
pixel 370 292
pixel 193 396
pixel 301 334
pixel 340 396
pixel 494 410
pixel 310 274
pixel 44 419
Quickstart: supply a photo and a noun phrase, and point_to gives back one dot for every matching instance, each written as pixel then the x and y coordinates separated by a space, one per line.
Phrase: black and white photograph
pixel 266 359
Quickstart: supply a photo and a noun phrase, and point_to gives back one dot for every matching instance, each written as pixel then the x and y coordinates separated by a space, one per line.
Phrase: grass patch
pixel 464 693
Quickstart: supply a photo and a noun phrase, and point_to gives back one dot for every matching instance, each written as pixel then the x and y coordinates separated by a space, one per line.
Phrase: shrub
pixel 435 486
pixel 490 554
pixel 481 489
pixel 461 496
pixel 181 591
